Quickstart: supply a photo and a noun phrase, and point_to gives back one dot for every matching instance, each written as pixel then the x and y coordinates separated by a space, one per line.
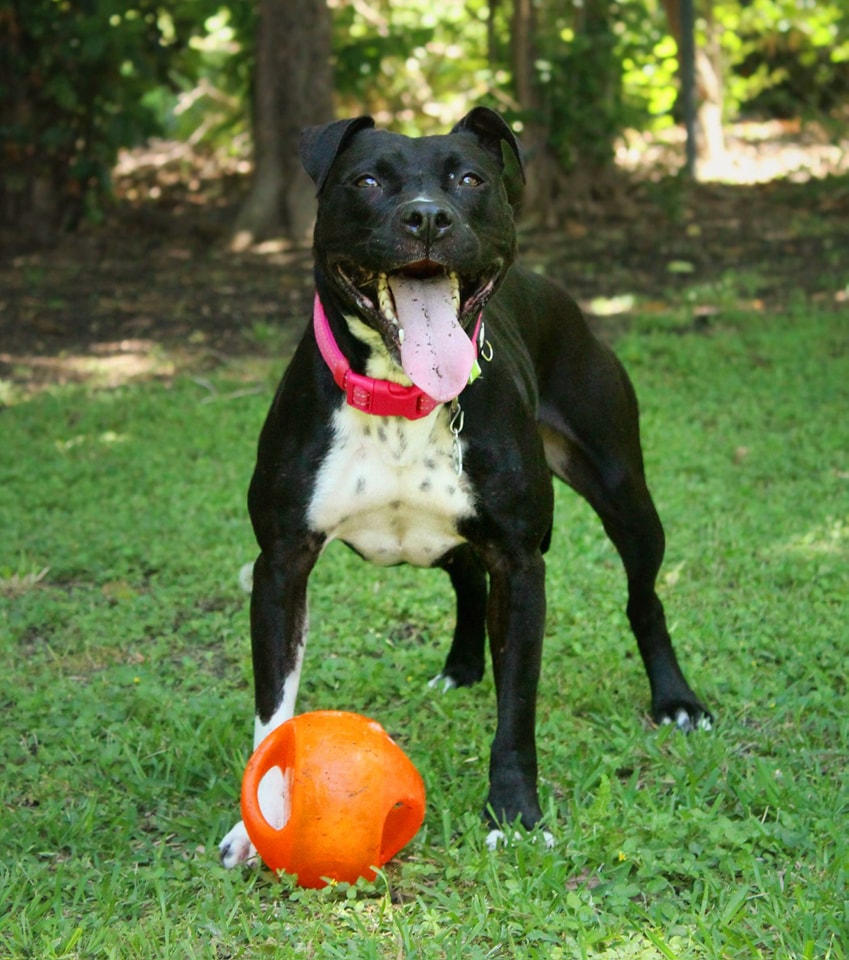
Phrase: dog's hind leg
pixel 631 521
pixel 597 452
pixel 464 665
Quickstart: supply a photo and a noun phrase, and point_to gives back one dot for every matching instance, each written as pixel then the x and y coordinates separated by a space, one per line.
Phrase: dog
pixel 438 390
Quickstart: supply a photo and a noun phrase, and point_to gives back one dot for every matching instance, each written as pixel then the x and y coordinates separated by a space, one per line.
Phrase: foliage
pixel 784 57
pixel 126 703
pixel 419 64
pixel 416 65
pixel 590 76
pixel 82 80
pixel 206 98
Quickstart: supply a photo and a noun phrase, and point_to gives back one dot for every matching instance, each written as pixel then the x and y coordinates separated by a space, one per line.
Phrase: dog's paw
pixel 688 721
pixel 457 674
pixel 236 847
pixel 443 682
pixel 498 838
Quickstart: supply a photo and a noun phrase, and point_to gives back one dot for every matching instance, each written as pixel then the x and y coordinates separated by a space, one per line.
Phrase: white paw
pixel 447 683
pixel 236 847
pixel 497 838
pixel 684 721
pixel 494 839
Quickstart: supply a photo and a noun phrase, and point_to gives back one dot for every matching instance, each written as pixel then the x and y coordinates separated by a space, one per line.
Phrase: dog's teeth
pixel 400 334
pixel 455 291
pixel 384 299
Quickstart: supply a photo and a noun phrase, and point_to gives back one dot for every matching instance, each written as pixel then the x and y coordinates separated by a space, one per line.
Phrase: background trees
pixel 79 80
pixel 292 88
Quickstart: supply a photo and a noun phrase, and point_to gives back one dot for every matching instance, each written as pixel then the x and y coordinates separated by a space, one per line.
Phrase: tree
pixel 566 78
pixel 710 138
pixel 72 84
pixel 536 133
pixel 293 89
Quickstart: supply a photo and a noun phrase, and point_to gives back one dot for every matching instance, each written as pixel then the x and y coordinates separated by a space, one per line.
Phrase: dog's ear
pixel 493 132
pixel 321 145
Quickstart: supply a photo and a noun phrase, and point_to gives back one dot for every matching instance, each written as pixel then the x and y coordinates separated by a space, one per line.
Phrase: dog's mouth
pixel 422 311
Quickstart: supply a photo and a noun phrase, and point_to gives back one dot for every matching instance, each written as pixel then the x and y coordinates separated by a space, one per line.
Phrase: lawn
pixel 126 698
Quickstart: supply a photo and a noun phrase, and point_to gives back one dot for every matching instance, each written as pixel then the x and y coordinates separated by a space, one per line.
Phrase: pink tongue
pixel 436 354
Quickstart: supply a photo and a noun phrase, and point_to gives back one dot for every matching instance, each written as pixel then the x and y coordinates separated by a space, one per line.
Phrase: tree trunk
pixel 293 89
pixel 709 89
pixel 31 182
pixel 541 184
pixel 710 138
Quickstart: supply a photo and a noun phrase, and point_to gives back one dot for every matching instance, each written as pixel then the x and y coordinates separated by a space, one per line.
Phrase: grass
pixel 126 699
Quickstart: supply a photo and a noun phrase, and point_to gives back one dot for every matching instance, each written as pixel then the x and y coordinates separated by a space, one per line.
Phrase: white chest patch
pixel 388 488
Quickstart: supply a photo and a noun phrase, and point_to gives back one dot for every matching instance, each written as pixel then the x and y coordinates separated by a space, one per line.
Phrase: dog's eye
pixel 367 182
pixel 470 180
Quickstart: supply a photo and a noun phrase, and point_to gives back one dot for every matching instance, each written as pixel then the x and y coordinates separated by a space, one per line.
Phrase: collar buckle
pixel 383 398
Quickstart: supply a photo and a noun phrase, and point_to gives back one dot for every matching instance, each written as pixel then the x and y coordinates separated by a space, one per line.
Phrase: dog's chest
pixel 388 487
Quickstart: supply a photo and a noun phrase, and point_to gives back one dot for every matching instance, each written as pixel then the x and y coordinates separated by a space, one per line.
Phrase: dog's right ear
pixel 321 145
pixel 494 133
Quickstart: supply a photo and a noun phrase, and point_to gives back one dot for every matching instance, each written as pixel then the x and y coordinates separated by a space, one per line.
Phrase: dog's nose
pixel 426 220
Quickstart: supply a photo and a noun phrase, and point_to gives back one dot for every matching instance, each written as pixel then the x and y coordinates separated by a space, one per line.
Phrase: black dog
pixel 421 419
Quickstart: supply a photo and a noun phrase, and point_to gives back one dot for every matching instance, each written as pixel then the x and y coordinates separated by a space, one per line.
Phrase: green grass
pixel 126 703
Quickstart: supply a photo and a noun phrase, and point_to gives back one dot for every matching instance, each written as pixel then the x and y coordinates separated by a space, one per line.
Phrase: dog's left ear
pixel 321 145
pixel 493 132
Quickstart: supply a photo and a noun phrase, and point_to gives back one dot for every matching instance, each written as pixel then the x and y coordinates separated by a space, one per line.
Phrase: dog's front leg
pixel 279 621
pixel 516 622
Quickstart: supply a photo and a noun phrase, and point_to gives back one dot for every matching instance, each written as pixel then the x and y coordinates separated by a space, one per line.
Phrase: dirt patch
pixel 154 288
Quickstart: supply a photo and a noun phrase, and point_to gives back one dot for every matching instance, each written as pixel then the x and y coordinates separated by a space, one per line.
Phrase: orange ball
pixel 349 797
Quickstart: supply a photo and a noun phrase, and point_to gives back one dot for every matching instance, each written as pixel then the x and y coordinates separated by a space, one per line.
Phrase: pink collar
pixel 383 398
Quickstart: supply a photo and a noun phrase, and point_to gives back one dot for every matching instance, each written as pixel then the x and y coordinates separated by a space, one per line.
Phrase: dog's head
pixel 414 235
